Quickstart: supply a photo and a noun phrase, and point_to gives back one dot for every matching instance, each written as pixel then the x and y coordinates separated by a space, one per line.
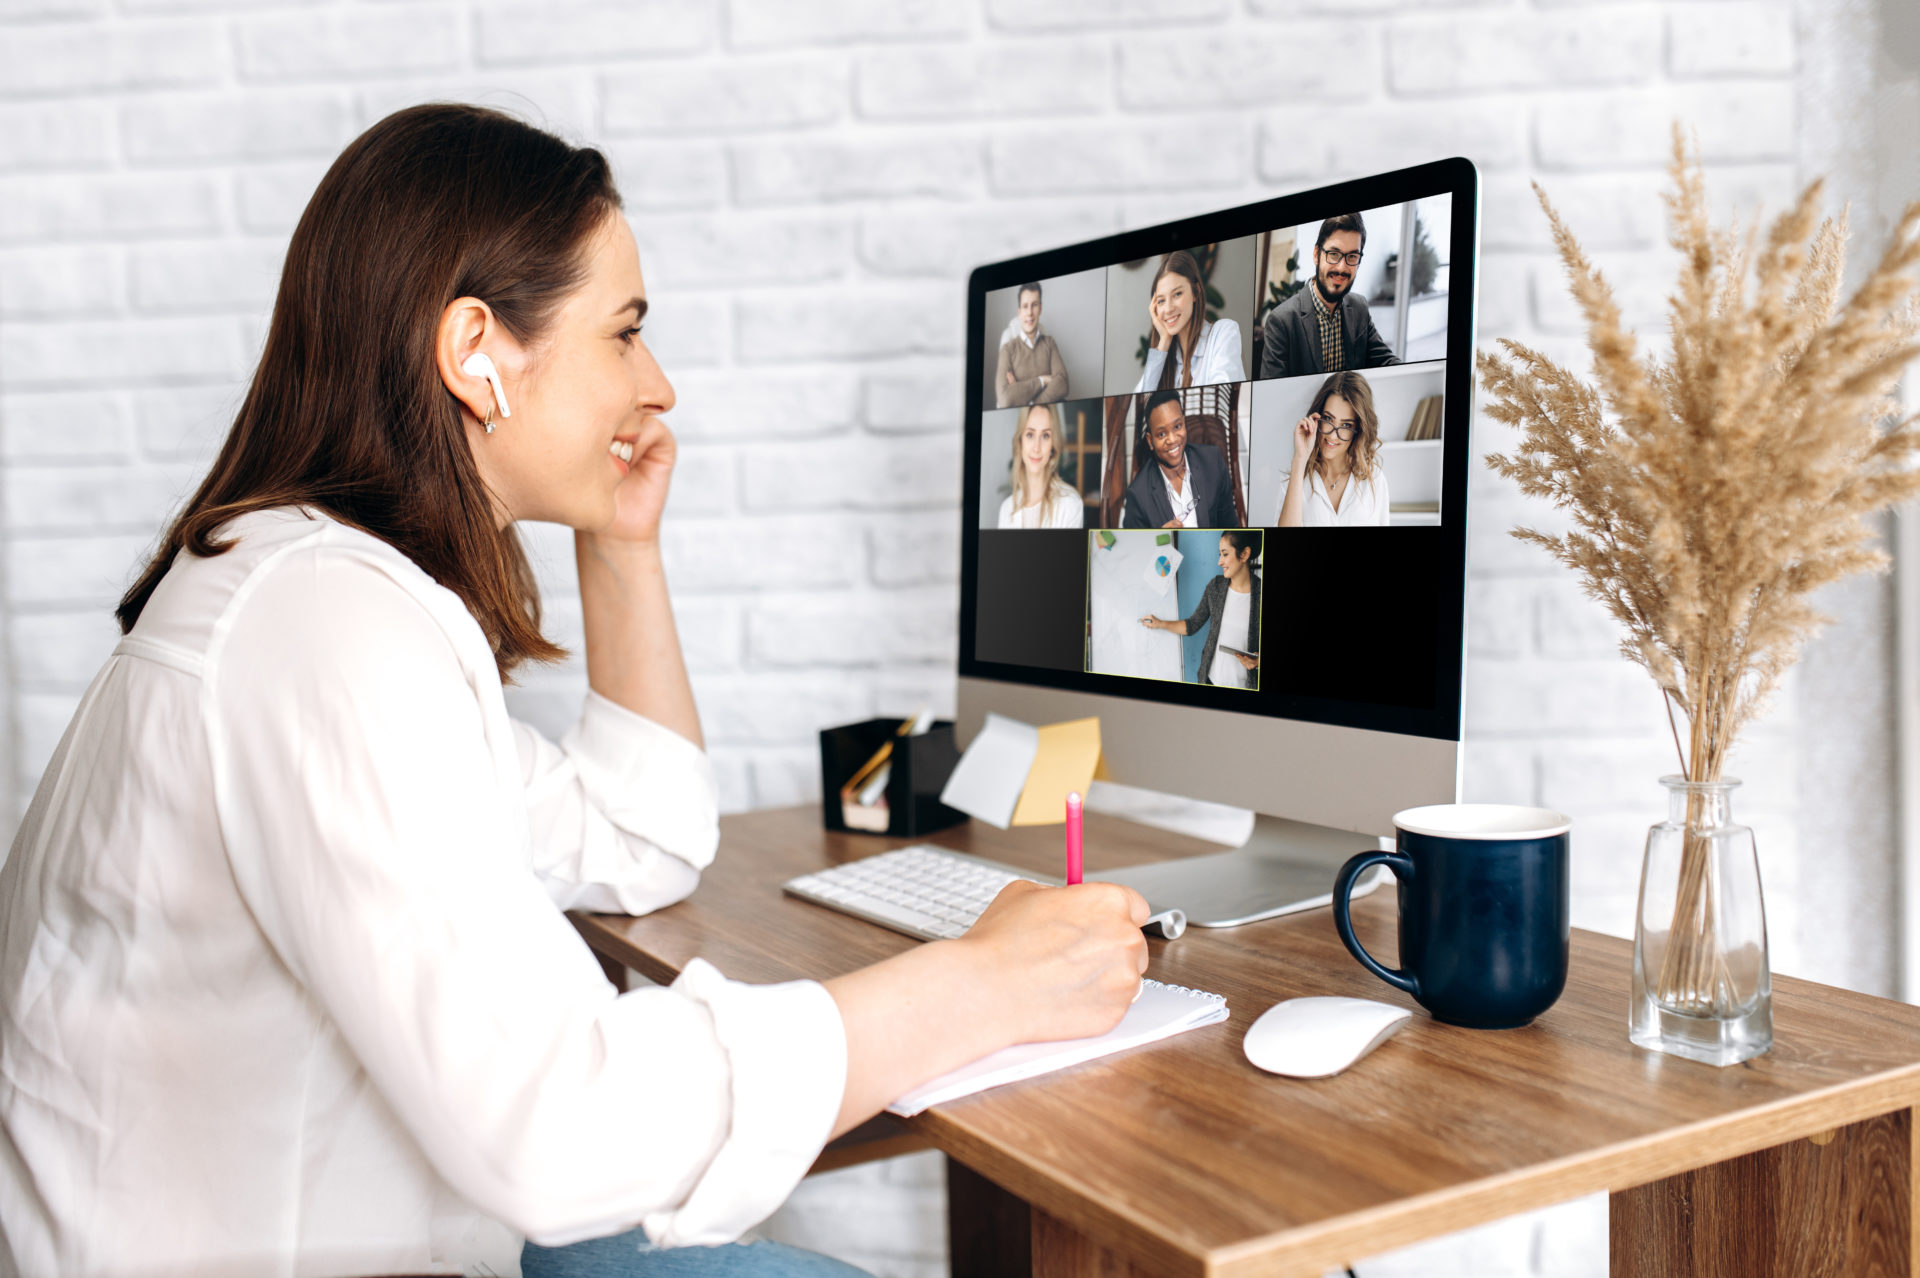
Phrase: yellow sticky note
pixel 1069 753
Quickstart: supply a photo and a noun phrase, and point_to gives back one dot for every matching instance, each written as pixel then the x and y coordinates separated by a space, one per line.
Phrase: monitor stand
pixel 1284 867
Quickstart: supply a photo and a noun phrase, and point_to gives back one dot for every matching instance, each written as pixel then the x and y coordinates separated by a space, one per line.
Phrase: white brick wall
pixel 809 182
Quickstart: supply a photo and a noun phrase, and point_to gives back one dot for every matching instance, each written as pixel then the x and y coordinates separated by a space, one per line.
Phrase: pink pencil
pixel 1073 837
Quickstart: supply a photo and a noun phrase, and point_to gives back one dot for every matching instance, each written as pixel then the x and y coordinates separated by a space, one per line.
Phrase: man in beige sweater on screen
pixel 1030 369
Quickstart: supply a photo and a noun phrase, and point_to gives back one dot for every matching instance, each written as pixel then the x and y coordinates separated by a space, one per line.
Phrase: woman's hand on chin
pixel 642 494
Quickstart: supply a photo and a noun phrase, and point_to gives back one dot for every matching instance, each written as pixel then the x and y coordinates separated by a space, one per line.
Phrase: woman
pixel 285 986
pixel 1230 609
pixel 1040 498
pixel 1203 351
pixel 1337 480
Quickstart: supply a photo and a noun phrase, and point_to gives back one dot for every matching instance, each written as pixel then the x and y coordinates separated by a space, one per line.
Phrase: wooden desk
pixel 1182 1159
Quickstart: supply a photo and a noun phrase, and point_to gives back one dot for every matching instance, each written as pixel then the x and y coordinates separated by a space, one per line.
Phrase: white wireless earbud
pixel 478 365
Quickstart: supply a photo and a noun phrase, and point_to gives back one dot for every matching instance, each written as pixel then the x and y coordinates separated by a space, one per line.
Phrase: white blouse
pixel 284 982
pixel 1216 358
pixel 1363 505
pixel 1182 503
pixel 1236 618
pixel 1062 509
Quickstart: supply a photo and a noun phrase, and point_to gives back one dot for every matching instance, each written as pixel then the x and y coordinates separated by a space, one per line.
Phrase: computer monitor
pixel 1133 406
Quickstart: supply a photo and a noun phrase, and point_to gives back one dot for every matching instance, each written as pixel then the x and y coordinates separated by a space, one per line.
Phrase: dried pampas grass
pixel 1711 494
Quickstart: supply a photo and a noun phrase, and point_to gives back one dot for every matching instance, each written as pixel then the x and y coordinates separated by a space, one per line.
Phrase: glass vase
pixel 1702 988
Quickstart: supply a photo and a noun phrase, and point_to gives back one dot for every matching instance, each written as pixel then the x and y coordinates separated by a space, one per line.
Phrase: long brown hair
pixel 346 412
pixel 1353 388
pixel 1182 263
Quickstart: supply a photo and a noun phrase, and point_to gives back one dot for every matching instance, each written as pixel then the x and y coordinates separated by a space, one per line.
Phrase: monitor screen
pixel 1223 462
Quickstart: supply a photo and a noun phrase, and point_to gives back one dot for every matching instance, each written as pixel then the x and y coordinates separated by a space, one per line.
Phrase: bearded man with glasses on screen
pixel 1326 328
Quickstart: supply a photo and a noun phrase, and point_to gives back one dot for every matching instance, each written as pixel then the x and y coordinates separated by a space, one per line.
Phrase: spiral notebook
pixel 1161 1012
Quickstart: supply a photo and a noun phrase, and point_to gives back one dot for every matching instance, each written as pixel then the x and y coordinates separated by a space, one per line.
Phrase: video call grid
pixel 1245 428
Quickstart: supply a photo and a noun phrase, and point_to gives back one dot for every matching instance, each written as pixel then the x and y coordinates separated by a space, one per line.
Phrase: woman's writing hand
pixel 1071 958
pixel 642 494
pixel 1153 623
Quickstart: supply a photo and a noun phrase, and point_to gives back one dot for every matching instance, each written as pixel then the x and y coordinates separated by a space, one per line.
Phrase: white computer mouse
pixel 1315 1037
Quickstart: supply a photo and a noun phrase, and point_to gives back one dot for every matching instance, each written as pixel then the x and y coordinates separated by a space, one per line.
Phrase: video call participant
pixel 1030 370
pixel 1040 498
pixel 1185 486
pixel 1326 328
pixel 1204 352
pixel 1230 609
pixel 1337 479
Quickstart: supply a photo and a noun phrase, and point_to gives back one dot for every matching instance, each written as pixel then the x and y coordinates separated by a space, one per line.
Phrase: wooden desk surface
pixel 1185 1156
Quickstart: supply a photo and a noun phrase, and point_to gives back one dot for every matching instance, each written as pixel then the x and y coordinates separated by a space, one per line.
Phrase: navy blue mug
pixel 1484 902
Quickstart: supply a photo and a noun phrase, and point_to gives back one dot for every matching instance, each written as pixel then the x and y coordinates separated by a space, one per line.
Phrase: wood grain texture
pixel 1800 1210
pixel 1185 1158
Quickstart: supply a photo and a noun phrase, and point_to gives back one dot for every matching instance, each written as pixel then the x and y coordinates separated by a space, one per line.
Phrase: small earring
pixel 488 424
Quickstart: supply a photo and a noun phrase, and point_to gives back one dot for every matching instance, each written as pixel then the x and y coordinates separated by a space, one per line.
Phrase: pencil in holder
pixel 905 803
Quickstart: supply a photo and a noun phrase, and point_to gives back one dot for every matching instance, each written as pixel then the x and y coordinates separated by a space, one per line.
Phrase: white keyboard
pixel 926 892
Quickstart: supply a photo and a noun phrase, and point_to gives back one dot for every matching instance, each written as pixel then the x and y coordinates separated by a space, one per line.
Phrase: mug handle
pixel 1402 866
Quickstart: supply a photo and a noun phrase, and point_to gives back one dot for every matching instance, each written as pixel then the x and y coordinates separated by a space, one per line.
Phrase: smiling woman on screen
pixel 1186 348
pixel 1336 479
pixel 285 984
pixel 1040 498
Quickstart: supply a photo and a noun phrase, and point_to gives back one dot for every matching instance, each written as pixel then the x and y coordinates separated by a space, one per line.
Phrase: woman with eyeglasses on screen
pixel 1337 480
pixel 1040 498
pixel 1186 349
pixel 286 987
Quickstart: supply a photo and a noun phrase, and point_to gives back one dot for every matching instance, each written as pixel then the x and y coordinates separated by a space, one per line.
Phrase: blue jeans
pixel 630 1255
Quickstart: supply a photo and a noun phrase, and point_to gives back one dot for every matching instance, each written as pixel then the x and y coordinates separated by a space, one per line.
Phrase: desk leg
pixel 987 1228
pixel 616 971
pixel 1061 1251
pixel 993 1234
pixel 1842 1208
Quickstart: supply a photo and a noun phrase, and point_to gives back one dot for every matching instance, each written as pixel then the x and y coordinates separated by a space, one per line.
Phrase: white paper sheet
pixel 1121 596
pixel 1162 563
pixel 987 781
pixel 1163 1011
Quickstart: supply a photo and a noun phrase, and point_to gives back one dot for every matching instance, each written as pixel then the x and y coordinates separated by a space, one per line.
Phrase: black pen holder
pixel 920 768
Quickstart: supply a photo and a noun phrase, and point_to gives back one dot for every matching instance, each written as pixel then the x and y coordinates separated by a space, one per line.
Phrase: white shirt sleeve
pixel 1218 359
pixel 1150 375
pixel 624 813
pixel 377 839
pixel 1220 355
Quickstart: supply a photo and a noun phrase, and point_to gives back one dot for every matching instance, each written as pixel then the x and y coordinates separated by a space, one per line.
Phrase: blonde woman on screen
pixel 1186 349
pixel 1337 480
pixel 287 986
pixel 1040 498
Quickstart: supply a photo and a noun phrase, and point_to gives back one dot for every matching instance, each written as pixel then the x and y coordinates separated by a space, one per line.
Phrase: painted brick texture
pixel 809 181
